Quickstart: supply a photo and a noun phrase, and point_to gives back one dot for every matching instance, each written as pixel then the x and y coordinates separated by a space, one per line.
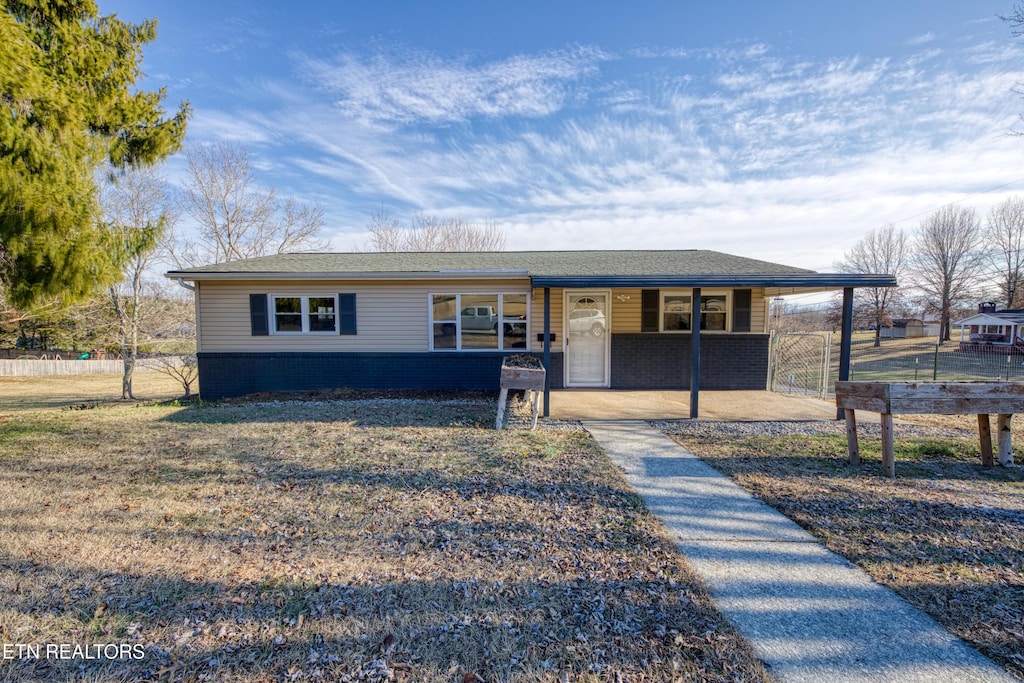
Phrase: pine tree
pixel 69 109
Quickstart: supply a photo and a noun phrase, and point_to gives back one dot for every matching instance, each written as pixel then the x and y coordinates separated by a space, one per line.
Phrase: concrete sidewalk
pixel 810 615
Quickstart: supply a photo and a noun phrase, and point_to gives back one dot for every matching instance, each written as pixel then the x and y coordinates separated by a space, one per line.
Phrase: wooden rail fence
pixel 41 368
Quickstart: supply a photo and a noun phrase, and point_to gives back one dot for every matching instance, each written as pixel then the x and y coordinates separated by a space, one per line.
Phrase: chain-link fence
pixel 923 360
pixel 808 363
pixel 799 362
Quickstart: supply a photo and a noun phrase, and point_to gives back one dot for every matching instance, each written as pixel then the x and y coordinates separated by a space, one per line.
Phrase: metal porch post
pixel 547 352
pixel 845 343
pixel 695 349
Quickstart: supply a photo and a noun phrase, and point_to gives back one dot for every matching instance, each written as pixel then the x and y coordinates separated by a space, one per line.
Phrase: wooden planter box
pixel 513 377
pixel 516 377
pixel 939 398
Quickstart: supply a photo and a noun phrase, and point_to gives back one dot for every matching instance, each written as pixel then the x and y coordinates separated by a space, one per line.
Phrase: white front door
pixel 586 339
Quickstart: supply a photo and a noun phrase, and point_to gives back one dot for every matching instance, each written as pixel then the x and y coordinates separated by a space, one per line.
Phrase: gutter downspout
pixel 182 283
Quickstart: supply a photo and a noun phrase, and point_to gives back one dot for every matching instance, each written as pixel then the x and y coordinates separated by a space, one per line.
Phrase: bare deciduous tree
pixel 236 217
pixel 1004 233
pixel 1016 21
pixel 880 251
pixel 947 260
pixel 136 215
pixel 185 369
pixel 388 232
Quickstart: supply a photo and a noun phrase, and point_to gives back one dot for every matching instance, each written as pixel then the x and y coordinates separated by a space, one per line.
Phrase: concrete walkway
pixel 810 614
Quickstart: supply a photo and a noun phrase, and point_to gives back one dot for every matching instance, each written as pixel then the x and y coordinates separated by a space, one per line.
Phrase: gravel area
pixel 787 427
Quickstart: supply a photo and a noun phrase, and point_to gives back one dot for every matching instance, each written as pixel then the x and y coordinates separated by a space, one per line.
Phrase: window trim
pixel 727 293
pixel 459 306
pixel 303 312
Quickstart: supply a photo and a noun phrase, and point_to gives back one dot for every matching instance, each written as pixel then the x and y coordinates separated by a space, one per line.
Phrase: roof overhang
pixel 388 275
pixel 984 319
pixel 792 282
pixel 801 281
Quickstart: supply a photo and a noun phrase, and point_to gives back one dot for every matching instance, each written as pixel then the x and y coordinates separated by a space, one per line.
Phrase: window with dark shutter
pixel 649 305
pixel 741 307
pixel 346 313
pixel 258 315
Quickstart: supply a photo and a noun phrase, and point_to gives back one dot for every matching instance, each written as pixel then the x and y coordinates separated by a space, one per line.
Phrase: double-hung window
pixel 677 312
pixel 304 314
pixel 479 322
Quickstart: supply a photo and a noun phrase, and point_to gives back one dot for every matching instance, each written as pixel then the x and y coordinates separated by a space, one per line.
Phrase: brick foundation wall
pixel 638 361
pixel 663 361
pixel 226 374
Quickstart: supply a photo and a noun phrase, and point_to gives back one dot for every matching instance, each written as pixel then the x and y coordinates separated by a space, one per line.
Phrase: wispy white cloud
pixel 422 87
pixel 739 149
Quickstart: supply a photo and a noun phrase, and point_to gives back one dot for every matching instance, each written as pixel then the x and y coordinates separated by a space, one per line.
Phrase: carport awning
pixel 781 280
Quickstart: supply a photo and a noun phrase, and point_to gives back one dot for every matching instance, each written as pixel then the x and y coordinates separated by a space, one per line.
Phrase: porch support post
pixel 845 342
pixel 695 350
pixel 547 351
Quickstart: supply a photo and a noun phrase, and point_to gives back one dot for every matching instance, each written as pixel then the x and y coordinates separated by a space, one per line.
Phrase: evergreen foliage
pixel 68 108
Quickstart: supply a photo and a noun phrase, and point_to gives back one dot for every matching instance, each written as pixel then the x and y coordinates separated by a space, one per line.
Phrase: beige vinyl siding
pixel 537 318
pixel 626 314
pixel 391 316
pixel 758 311
pixel 196 312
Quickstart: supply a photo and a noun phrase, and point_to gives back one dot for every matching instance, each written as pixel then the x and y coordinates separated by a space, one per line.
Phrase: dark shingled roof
pixel 544 268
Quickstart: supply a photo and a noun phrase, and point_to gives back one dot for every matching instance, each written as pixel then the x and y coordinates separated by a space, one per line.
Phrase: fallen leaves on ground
pixel 393 539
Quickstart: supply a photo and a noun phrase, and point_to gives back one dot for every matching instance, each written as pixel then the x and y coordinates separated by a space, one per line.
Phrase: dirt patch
pixel 946 534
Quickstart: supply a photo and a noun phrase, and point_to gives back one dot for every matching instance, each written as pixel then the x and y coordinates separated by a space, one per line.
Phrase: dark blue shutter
pixel 346 313
pixel 258 315
pixel 741 310
pixel 649 305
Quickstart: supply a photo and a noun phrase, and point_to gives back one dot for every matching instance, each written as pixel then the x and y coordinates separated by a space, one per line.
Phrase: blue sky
pixel 783 131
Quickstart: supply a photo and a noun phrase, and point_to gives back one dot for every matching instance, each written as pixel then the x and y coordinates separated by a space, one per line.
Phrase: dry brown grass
pixel 355 540
pixel 946 534
pixel 32 393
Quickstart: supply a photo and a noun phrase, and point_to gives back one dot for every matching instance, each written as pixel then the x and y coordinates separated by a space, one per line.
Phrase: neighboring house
pixel 992 331
pixel 607 319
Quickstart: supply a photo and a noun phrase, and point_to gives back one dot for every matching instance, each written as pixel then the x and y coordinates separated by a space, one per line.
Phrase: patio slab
pixel 608 404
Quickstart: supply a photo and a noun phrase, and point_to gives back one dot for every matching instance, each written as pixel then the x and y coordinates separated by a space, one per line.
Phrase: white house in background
pixel 992 331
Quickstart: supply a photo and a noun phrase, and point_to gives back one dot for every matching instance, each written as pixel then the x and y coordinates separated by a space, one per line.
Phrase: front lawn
pixel 371 540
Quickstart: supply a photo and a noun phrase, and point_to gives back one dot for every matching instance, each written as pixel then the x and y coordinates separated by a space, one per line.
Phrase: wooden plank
pixel 925 390
pixel 521 378
pixel 888 447
pixel 985 435
pixel 874 405
pixel 536 409
pixel 521 383
pixel 862 389
pixel 851 437
pixel 955 406
pixel 1005 441
pixel 502 400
